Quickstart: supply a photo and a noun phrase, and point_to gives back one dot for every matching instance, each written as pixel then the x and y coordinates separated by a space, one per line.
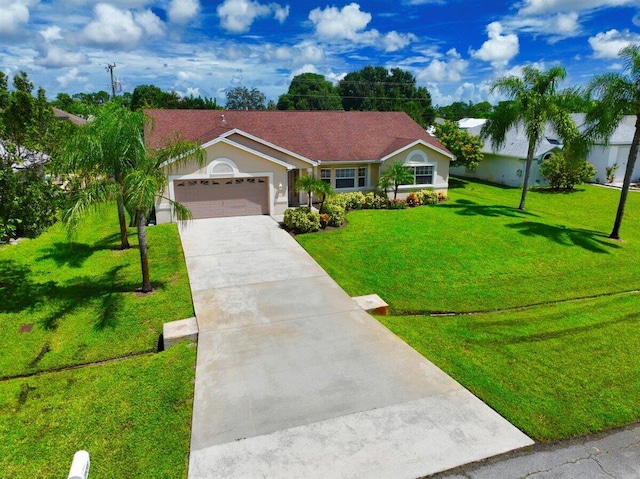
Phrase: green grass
pixel 477 252
pixel 556 369
pixel 553 371
pixel 79 296
pixel 133 416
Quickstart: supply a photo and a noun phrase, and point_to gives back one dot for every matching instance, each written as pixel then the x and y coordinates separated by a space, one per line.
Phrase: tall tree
pixel 618 94
pixel 241 98
pixel 467 148
pixel 535 101
pixel 100 149
pixel 310 91
pixel 28 135
pixel 117 133
pixel 379 89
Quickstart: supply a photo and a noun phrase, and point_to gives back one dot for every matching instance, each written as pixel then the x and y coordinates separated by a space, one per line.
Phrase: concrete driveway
pixel 294 380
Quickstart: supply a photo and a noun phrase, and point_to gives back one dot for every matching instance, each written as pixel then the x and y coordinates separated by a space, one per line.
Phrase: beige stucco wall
pixel 439 160
pixel 225 160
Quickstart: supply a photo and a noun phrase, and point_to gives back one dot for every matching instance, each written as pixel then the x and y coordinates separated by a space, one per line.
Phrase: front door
pixel 294 198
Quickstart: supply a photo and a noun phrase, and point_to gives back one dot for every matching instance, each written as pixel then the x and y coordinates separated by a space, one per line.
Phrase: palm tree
pixel 395 175
pixel 309 184
pixel 618 94
pixel 99 150
pixel 146 181
pixel 140 178
pixel 534 102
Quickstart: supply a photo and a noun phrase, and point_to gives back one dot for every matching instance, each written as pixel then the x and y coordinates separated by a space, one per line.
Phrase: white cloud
pixel 557 27
pixel 237 16
pixel 636 19
pixel 182 11
pixel 345 24
pixel 499 49
pixel 151 23
pixel 57 57
pixel 51 33
pixel 116 28
pixel 448 70
pixel 193 91
pixel 306 68
pixel 71 77
pixel 13 15
pixel 394 41
pixel 535 7
pixel 608 44
pixel 299 54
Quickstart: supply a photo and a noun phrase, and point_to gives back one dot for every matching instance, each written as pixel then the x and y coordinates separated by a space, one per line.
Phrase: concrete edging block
pixel 373 304
pixel 176 331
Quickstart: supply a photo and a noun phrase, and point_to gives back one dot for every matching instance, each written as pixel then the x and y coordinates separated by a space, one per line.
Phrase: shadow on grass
pixel 508 338
pixel 471 208
pixel 590 240
pixel 459 183
pixel 552 191
pixel 20 293
pixel 74 254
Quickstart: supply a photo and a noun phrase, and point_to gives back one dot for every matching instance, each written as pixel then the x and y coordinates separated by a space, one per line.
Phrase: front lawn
pixel 553 371
pixel 65 304
pixel 133 416
pixel 477 252
pixel 554 367
pixel 78 298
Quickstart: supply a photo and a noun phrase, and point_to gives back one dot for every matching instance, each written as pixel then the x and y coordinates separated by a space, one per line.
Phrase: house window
pixel 362 176
pixel 345 178
pixel 325 175
pixel 422 175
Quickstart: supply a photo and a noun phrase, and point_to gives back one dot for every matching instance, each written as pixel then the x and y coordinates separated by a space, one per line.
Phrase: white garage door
pixel 211 198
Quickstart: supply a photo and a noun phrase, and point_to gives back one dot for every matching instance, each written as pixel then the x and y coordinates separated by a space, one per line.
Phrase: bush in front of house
pixel 302 220
pixel 336 214
pixel 427 197
pixel 412 200
pixel 353 200
pixel 397 205
pixel 375 201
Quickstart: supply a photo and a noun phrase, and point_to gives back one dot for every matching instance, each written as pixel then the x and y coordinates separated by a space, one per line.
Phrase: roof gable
pixel 319 136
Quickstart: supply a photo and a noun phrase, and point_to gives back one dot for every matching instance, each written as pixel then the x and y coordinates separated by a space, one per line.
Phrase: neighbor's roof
pixel 63 115
pixel 315 135
pixel 516 143
pixel 623 135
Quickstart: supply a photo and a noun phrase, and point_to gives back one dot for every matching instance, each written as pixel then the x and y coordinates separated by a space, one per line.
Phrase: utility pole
pixel 109 68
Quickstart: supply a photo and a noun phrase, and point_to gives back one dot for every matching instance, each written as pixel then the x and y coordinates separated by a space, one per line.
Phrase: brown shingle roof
pixel 316 135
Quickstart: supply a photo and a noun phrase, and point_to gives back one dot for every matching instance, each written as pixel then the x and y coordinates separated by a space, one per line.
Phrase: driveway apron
pixel 294 379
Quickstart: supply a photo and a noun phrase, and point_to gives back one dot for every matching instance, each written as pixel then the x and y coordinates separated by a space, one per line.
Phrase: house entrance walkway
pixel 294 380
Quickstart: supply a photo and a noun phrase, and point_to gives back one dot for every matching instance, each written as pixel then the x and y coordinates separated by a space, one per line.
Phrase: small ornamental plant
pixel 412 200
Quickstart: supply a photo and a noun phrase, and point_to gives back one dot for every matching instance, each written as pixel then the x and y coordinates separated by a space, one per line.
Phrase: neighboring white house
pixel 506 165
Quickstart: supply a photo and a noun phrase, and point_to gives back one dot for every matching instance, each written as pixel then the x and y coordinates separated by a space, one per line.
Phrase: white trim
pixel 270 145
pixel 414 144
pixel 240 147
pixel 222 161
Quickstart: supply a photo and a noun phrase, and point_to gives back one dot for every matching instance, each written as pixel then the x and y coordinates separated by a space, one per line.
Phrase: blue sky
pixel 455 48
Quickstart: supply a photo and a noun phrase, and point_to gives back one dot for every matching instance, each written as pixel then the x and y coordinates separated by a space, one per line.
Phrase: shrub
pixel 349 201
pixel 336 215
pixel 564 172
pixel 428 197
pixel 442 196
pixel 412 200
pixel 302 220
pixel 375 201
pixel 324 220
pixel 397 205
